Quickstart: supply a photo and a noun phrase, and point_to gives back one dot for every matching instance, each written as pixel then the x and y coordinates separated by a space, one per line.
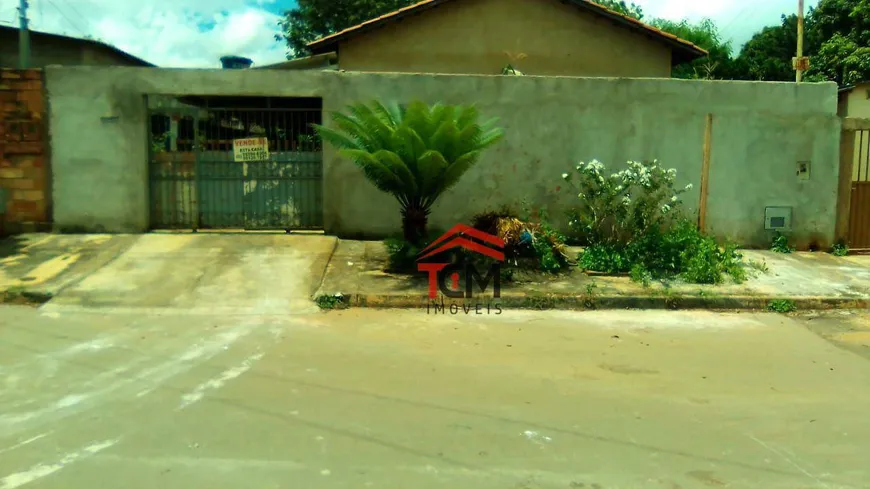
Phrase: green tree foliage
pixel 839 41
pixel 313 19
pixel 414 152
pixel 717 65
pixel 767 56
pixel 630 9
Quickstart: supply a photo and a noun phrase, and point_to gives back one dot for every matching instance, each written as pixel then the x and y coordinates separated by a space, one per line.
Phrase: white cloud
pixel 737 20
pixel 196 33
pixel 169 33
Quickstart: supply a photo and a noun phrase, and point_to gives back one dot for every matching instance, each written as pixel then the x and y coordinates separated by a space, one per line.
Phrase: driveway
pixel 254 273
pixel 184 397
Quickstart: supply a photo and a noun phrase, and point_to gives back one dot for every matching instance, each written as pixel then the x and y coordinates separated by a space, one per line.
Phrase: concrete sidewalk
pixel 206 272
pixel 809 280
pixel 36 267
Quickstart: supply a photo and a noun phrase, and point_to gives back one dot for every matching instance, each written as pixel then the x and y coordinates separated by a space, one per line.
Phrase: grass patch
pixel 329 302
pixel 782 306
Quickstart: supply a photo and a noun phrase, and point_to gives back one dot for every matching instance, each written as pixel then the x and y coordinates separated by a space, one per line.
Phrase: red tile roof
pixel 683 50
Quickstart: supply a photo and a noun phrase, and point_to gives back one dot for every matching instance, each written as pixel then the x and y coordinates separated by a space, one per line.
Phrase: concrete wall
pixel 472 37
pixel 761 130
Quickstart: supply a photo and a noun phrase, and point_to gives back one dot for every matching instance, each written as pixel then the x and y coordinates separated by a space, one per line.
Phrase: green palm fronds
pixel 415 152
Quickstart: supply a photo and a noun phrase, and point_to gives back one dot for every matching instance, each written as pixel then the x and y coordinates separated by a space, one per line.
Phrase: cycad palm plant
pixel 413 152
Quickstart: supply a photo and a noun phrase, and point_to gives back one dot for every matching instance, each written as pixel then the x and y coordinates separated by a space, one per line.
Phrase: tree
pixel 313 19
pixel 717 65
pixel 767 56
pixel 629 9
pixel 839 40
pixel 841 60
pixel 414 152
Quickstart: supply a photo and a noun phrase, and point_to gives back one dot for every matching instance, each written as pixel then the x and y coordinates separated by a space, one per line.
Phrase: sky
pixel 196 33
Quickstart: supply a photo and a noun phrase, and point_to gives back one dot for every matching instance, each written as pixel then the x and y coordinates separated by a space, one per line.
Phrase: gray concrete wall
pixel 761 130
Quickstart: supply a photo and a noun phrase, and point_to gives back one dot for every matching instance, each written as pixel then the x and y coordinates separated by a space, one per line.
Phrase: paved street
pixel 110 397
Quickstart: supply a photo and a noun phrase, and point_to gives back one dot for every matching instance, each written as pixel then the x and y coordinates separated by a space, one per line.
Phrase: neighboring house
pixel 537 37
pixel 54 49
pixel 854 101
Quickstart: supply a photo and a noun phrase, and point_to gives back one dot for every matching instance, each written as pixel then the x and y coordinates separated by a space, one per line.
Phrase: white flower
pixel 626 200
pixel 666 208
pixel 674 198
pixel 689 186
pixel 672 172
pixel 565 176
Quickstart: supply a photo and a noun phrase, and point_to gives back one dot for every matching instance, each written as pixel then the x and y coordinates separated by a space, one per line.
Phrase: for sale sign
pixel 251 149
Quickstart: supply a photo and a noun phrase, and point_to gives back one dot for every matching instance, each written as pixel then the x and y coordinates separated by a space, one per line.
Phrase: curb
pixel 25 297
pixel 582 303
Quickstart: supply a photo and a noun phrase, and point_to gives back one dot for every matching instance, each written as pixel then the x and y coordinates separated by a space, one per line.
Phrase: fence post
pixel 705 174
pixel 844 183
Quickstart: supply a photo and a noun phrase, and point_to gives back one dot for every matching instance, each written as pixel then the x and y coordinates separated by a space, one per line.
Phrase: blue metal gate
pixel 196 183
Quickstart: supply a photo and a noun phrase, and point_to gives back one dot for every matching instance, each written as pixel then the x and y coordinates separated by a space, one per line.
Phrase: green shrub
pixel 780 244
pixel 402 255
pixel 604 258
pixel 617 208
pixel 681 252
pixel 632 222
pixel 325 302
pixel 839 249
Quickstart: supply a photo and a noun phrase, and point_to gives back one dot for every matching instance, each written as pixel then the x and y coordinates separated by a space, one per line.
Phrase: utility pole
pixel 800 62
pixel 23 36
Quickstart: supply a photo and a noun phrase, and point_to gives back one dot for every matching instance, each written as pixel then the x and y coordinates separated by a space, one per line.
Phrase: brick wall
pixel 24 172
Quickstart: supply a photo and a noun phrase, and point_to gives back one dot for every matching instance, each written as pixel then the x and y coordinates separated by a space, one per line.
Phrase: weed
pixel 782 306
pixel 326 302
pixel 780 244
pixel 671 301
pixel 541 302
pixel 589 299
pixel 839 249
pixel 760 266
pixel 640 274
pixel 403 254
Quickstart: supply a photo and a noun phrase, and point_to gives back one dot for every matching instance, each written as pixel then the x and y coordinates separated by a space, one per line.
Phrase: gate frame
pixel 850 127
pixel 195 115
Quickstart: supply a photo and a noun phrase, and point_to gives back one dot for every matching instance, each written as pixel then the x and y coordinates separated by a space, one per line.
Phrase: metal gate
pixel 195 183
pixel 859 203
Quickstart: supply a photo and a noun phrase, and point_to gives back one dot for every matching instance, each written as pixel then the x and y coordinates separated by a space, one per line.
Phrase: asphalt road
pixel 387 399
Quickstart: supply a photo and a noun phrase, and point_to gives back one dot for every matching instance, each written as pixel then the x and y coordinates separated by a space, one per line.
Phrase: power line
pixel 85 19
pixel 76 26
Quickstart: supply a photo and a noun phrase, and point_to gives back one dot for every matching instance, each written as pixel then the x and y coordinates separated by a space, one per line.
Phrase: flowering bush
pixel 631 222
pixel 617 207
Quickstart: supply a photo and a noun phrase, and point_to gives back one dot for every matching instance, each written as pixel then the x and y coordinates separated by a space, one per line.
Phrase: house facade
pixel 536 37
pixel 854 101
pixel 54 49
